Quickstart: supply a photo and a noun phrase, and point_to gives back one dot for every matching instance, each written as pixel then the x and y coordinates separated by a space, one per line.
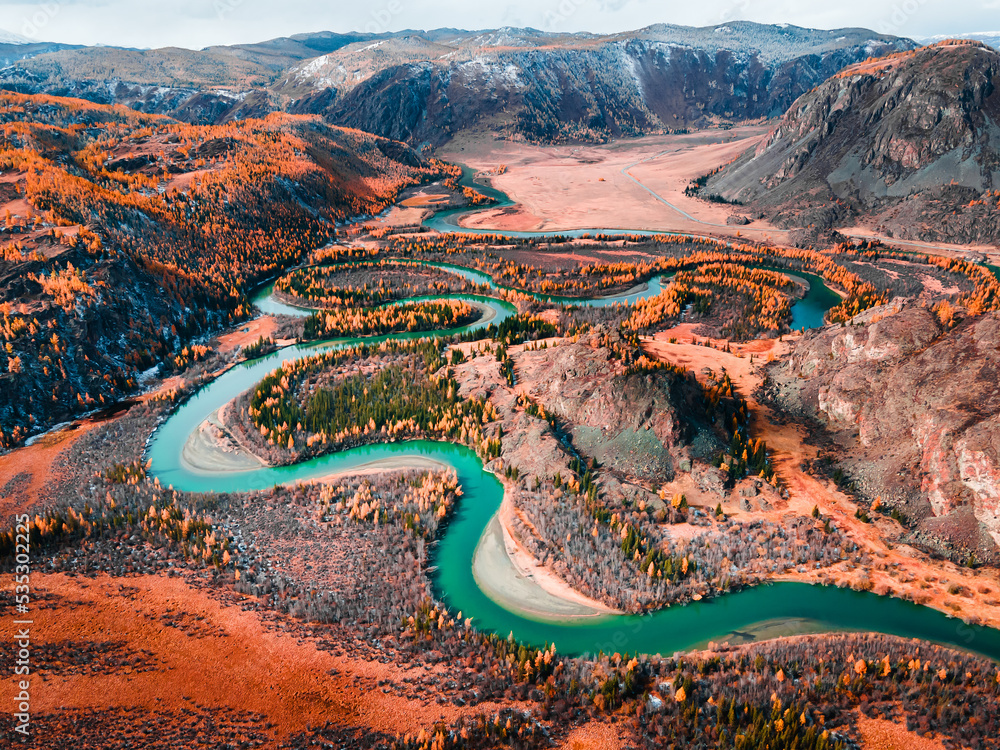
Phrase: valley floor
pixel 629 184
pixel 635 183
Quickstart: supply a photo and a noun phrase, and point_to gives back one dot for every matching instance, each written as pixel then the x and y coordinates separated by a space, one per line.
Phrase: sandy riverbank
pixel 382 466
pixel 511 576
pixel 213 448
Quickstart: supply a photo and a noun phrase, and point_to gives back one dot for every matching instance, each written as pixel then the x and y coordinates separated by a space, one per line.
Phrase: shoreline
pixel 214 447
pixel 514 579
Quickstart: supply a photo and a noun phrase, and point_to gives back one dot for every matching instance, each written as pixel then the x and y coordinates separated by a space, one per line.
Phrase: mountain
pixel 992 38
pixel 541 86
pixel 423 87
pixel 909 144
pixel 128 238
pixel 909 431
pixel 9 37
pixel 14 48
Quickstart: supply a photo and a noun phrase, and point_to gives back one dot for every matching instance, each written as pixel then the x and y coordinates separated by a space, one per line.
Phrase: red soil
pixel 216 656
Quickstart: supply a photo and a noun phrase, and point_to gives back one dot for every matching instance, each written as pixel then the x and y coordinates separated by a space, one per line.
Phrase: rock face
pixel 549 87
pixel 642 427
pixel 422 87
pixel 916 410
pixel 905 143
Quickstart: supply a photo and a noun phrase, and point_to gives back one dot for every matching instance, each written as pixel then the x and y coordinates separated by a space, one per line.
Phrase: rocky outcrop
pixel 642 427
pixel 915 411
pixel 656 79
pixel 422 87
pixel 909 143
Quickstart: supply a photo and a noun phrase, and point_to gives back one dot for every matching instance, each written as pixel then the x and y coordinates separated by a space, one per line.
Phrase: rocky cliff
pixel 914 413
pixel 423 87
pixel 552 87
pixel 642 427
pixel 909 144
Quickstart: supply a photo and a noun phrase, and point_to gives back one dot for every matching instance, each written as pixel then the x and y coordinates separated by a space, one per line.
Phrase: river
pixel 766 610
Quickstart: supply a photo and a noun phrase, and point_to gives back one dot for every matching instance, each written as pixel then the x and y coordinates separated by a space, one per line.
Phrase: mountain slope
pixel 9 37
pixel 909 433
pixel 12 52
pixel 128 237
pixel 909 143
pixel 547 86
pixel 424 86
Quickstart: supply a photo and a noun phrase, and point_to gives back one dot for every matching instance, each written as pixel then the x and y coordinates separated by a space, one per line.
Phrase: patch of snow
pixel 54 428
pixel 492 73
pixel 9 37
pixel 313 67
pixel 628 63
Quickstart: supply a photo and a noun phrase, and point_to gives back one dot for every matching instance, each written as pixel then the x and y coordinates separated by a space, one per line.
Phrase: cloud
pixel 199 23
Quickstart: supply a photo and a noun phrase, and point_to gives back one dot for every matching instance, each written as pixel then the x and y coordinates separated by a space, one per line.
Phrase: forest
pixel 129 237
pixel 408 317
pixel 364 284
pixel 349 397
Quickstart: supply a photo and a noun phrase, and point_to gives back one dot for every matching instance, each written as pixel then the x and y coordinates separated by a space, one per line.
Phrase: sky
pixel 200 23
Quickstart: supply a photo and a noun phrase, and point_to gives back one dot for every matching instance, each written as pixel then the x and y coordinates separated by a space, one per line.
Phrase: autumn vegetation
pixel 409 317
pixel 366 283
pixel 127 237
pixel 196 217
pixel 365 394
pixel 296 550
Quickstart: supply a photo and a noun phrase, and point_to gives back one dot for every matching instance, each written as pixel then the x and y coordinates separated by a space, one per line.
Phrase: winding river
pixel 766 610
pixel 807 312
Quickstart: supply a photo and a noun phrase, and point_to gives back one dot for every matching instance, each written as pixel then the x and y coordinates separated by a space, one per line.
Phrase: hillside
pixel 908 433
pixel 208 86
pixel 908 144
pixel 127 237
pixel 992 38
pixel 12 52
pixel 550 87
pixel 424 86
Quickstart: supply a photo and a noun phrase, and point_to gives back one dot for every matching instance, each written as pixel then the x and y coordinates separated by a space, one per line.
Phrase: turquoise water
pixel 807 312
pixel 269 305
pixel 810 311
pixel 818 608
pixel 669 630
pixel 169 438
pixel 666 631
